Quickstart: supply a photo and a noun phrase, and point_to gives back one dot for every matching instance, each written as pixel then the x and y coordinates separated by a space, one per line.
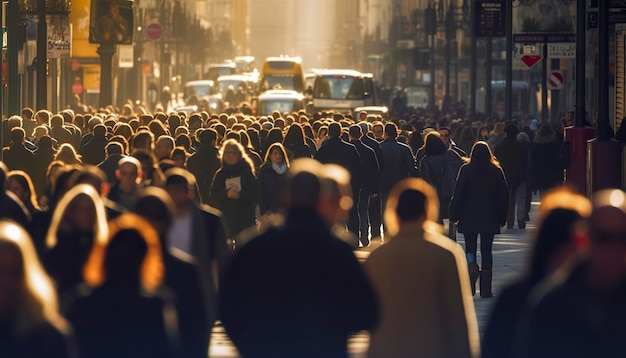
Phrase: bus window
pixel 282 73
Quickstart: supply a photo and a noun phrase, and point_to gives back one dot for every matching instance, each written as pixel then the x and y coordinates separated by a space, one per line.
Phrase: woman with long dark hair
pixel 295 144
pixel 272 179
pixel 479 205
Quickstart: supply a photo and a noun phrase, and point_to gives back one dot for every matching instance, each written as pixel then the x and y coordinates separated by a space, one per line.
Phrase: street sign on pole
pixel 531 60
pixel 154 31
pixel 555 80
pixel 562 50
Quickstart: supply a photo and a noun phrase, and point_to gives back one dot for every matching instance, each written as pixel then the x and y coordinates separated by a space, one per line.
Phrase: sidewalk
pixel 510 253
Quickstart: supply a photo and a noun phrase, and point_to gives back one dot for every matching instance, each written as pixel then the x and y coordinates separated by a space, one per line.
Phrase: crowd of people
pixel 127 233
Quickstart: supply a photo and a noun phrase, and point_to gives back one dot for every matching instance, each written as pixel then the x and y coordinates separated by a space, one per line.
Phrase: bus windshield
pixel 199 90
pixel 283 106
pixel 339 87
pixel 278 82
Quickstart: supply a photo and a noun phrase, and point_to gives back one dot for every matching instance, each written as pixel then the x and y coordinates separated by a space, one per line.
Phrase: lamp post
pixel 430 28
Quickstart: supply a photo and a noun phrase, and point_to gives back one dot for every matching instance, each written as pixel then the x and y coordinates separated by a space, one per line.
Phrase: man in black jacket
pixel 374 212
pixel 510 154
pixel 398 162
pixel 337 151
pixel 199 232
pixel 297 290
pixel 17 156
pixel 371 181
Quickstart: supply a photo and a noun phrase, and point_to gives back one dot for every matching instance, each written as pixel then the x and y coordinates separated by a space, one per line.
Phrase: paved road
pixel 510 253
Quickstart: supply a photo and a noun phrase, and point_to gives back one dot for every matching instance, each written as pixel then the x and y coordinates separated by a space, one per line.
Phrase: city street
pixel 510 252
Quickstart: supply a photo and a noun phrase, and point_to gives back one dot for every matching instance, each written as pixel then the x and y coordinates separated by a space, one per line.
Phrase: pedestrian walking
pixel 479 206
pixel 510 154
pixel 292 305
pixel 122 316
pixel 555 245
pixel 31 324
pixel 430 312
pixel 272 179
pixel 581 311
pixel 234 190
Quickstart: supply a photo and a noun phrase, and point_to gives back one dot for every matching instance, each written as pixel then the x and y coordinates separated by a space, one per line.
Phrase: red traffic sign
pixel 531 60
pixel 77 88
pixel 555 80
pixel 154 31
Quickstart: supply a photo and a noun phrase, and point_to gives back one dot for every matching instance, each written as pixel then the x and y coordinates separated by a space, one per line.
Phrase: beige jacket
pixel 425 299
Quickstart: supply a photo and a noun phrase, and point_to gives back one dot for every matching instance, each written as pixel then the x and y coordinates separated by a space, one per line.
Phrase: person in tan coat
pixel 422 282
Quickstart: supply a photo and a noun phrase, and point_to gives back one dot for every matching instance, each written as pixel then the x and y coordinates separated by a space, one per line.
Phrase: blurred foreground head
pixel 324 188
pixel 561 230
pixel 607 235
pixel 27 295
pixel 411 200
pixel 130 256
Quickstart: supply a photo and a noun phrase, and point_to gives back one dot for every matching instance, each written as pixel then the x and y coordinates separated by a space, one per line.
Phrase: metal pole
pixel 13 84
pixel 581 9
pixel 42 56
pixel 473 67
pixel 1 88
pixel 544 84
pixel 488 76
pixel 604 127
pixel 433 100
pixel 509 62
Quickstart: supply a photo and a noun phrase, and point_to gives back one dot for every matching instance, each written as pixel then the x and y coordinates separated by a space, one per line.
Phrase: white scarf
pixel 280 169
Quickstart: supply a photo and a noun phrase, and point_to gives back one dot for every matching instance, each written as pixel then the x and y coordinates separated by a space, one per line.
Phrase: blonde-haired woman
pixel 30 325
pixel 234 190
pixel 78 221
pixel 67 154
pixel 122 316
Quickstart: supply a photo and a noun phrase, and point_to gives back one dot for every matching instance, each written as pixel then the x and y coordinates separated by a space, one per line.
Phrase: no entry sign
pixel 154 31
pixel 555 80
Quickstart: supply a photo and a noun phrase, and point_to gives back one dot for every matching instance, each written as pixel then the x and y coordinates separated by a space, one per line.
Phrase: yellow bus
pixel 281 73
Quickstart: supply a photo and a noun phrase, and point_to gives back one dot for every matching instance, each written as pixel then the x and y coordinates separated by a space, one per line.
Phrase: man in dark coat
pixel 10 206
pixel 17 156
pixel 93 151
pixel 58 130
pixel 336 151
pixel 296 290
pixel 397 163
pixel 205 161
pixel 374 211
pixel 113 151
pixel 371 181
pixel 181 274
pixel 199 232
pixel 510 154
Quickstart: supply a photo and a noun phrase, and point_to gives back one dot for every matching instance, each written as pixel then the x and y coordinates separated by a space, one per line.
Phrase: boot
pixel 485 283
pixel 473 274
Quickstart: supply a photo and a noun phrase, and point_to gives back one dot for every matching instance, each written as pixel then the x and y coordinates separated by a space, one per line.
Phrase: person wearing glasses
pixel 446 136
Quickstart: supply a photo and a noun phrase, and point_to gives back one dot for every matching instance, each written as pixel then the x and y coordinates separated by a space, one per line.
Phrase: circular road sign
pixel 154 31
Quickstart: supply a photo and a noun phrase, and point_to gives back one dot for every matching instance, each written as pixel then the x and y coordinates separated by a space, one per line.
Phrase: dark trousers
pixel 510 217
pixel 353 214
pixel 364 222
pixel 486 244
pixel 374 214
